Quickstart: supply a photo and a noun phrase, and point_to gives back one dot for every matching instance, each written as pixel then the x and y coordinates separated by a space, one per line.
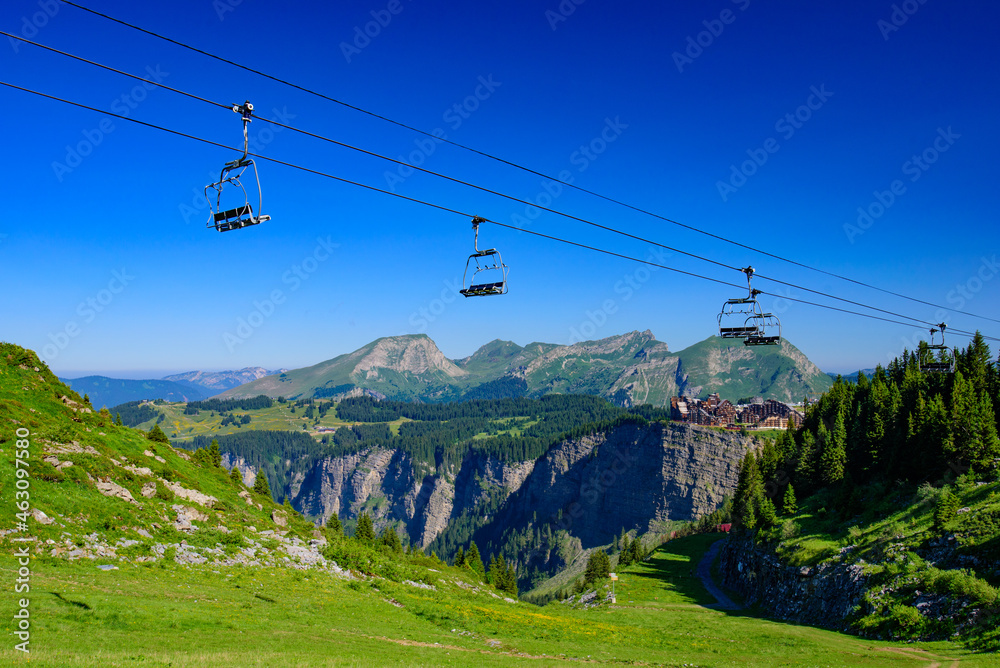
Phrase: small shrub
pixel 790 529
pixel 961 583
pixel 164 493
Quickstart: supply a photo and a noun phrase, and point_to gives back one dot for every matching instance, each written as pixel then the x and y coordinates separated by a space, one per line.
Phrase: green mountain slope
pixel 193 575
pixel 629 369
pixel 775 372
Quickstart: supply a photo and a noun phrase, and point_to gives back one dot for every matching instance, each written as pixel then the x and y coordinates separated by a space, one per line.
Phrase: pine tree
pixel 260 485
pixel 156 434
pixel 510 582
pixel 946 509
pixel 625 556
pixel 805 466
pixel 390 539
pixel 460 557
pixel 788 503
pixel 635 551
pixel 598 567
pixel 974 432
pixel 215 457
pixel 365 530
pixel 333 524
pixel 768 515
pixel 118 420
pixel 749 491
pixel 236 476
pixel 834 455
pixel 86 399
pixel 474 560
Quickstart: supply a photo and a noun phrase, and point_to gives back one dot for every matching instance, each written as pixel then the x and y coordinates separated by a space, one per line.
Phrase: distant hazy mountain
pixel 852 377
pixel 213 382
pixel 631 368
pixel 104 391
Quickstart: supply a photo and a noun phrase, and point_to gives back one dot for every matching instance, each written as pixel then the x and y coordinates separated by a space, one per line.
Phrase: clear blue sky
pixel 684 91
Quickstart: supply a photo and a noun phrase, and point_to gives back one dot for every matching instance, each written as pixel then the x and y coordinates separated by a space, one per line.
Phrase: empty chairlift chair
pixel 240 212
pixel 488 263
pixel 743 318
pixel 937 358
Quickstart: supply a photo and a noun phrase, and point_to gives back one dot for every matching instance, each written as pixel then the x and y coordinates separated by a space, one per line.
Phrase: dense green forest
pixel 902 424
pixel 512 429
pixel 135 412
pixel 226 405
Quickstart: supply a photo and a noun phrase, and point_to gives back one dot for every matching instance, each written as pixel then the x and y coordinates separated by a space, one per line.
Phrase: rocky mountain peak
pixel 415 354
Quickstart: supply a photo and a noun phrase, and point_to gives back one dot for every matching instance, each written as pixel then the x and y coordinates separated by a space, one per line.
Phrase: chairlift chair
pixel 737 319
pixel 768 332
pixel 487 262
pixel 230 182
pixel 935 365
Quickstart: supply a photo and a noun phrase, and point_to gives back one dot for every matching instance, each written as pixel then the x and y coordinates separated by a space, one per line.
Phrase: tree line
pixel 226 405
pixel 901 424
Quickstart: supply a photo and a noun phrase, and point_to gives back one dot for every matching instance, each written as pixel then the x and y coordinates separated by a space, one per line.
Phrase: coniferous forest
pixel 901 425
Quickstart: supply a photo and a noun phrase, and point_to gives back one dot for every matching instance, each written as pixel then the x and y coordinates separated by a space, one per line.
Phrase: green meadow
pixel 170 615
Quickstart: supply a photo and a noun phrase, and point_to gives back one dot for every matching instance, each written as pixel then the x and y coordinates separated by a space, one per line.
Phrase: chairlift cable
pixel 521 167
pixel 466 183
pixel 441 207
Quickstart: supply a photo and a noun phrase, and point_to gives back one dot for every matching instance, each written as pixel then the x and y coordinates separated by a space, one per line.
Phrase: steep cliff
pixel 584 491
pixel 629 477
pixel 383 482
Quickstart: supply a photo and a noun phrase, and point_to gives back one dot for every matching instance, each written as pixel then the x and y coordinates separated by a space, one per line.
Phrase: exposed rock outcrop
pixel 823 595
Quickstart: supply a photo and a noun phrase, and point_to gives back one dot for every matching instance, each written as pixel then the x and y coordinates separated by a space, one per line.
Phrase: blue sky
pixel 767 123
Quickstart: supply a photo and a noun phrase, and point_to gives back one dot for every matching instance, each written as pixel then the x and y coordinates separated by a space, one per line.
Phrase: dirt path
pixel 705 573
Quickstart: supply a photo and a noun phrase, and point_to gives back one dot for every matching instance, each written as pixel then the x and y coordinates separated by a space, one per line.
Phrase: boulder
pixel 111 489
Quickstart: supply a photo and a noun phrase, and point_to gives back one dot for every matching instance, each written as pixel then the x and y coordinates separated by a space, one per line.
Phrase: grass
pixel 209 616
pixel 278 417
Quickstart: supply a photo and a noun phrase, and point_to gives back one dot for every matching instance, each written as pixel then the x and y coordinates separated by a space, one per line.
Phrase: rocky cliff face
pixel 592 487
pixel 824 595
pixel 383 483
pixel 631 477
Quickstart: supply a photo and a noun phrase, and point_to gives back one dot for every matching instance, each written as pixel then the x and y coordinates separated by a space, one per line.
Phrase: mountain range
pixel 190 386
pixel 628 369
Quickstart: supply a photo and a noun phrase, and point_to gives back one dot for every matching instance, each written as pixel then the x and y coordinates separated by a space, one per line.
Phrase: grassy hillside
pixel 178 579
pixel 279 417
pixel 734 371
